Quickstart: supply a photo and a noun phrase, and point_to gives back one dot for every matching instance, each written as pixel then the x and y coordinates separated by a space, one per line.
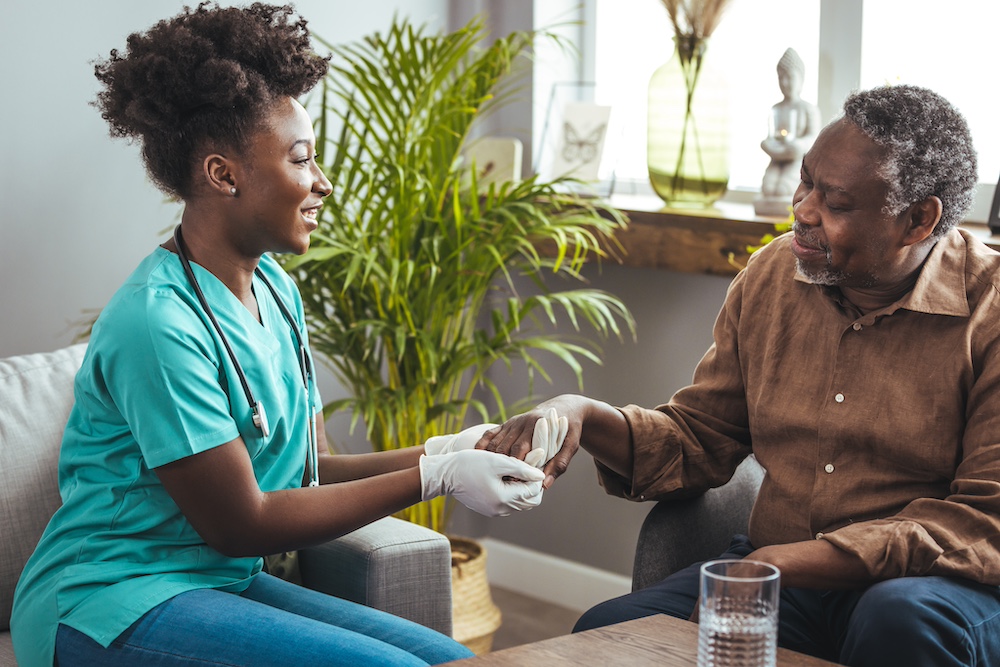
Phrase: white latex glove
pixel 455 442
pixel 547 438
pixel 475 477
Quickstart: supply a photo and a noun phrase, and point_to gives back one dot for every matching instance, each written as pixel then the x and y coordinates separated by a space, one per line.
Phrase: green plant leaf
pixel 410 286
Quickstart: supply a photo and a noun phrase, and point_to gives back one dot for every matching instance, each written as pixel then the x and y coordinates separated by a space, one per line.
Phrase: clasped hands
pixel 486 482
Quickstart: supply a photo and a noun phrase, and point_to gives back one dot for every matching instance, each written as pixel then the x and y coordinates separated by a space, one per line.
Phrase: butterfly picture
pixel 580 148
pixel 577 142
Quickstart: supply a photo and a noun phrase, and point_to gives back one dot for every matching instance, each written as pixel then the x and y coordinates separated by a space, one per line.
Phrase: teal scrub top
pixel 157 385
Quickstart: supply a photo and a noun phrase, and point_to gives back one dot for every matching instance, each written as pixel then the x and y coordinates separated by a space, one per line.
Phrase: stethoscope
pixel 305 363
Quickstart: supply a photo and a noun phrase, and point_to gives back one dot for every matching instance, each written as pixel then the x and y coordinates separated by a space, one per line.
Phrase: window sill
pixel 712 241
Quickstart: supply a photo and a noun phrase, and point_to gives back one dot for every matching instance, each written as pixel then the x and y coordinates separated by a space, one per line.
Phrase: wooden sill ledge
pixel 712 241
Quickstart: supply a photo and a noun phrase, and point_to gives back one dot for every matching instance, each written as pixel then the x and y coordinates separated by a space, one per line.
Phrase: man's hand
pixel 606 436
pixel 815 564
pixel 516 437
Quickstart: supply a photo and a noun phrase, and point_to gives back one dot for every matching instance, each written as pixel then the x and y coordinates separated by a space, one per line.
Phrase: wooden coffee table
pixel 660 641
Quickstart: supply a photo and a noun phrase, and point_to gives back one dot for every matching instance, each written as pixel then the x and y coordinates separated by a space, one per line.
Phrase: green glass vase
pixel 687 149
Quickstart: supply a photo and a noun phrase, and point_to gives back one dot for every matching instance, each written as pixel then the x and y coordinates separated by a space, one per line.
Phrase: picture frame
pixel 574 140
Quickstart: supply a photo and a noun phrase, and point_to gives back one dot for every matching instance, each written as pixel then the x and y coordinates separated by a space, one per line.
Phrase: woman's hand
pixel 484 482
pixel 456 442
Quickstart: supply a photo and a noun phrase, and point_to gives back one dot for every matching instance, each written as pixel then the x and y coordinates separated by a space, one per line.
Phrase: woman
pixel 185 456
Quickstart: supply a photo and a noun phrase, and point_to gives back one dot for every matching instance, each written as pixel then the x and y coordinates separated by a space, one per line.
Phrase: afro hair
pixel 207 75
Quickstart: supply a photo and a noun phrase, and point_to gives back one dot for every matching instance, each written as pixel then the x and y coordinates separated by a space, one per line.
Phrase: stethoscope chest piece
pixel 260 419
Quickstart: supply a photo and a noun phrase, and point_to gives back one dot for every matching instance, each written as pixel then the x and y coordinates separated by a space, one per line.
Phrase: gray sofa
pixel 676 534
pixel 390 564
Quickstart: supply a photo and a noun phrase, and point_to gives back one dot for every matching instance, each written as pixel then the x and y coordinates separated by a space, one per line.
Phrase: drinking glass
pixel 738 614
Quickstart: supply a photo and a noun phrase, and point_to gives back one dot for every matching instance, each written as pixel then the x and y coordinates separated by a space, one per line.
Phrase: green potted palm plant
pixel 409 284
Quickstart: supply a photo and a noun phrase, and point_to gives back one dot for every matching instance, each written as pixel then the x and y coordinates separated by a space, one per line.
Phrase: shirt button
pixel 857 327
pixel 839 398
pixel 828 467
pixel 819 536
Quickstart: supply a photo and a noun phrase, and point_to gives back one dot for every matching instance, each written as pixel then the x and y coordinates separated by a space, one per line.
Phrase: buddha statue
pixel 792 128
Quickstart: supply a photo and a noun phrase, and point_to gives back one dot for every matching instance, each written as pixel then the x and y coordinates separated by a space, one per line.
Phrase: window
pixel 844 44
pixel 634 37
pixel 945 47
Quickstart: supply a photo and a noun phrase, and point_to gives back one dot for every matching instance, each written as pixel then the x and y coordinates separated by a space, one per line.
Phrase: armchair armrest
pixel 677 533
pixel 390 564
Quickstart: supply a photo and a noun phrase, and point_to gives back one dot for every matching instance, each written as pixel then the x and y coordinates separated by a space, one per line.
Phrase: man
pixel 858 358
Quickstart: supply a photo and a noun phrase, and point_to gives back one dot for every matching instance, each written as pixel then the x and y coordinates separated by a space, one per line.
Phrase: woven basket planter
pixel 475 618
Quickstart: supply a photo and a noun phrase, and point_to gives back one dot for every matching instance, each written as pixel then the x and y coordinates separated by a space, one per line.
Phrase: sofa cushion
pixel 36 394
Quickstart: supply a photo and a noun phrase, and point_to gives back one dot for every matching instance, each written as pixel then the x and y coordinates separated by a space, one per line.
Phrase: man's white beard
pixel 824 276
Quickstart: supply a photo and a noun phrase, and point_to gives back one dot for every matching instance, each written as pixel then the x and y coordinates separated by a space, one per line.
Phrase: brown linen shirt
pixel 879 432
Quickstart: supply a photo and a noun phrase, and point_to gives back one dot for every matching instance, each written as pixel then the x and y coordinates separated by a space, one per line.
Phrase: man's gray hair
pixel 928 148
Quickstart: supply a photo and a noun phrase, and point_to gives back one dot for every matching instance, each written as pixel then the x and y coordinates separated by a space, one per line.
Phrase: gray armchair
pixel 676 534
pixel 390 564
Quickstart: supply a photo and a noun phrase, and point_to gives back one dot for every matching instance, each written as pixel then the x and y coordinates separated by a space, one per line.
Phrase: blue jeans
pixel 907 622
pixel 271 623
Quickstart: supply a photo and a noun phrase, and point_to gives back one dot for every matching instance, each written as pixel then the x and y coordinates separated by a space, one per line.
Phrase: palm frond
pixel 410 286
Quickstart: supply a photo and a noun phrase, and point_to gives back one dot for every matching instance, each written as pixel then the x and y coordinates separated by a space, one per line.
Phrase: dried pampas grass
pixel 695 18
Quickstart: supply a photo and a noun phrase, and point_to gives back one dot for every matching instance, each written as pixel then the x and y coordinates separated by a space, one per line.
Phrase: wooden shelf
pixel 712 241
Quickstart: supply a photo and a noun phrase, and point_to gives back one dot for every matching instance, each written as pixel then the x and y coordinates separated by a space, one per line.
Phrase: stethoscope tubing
pixel 305 363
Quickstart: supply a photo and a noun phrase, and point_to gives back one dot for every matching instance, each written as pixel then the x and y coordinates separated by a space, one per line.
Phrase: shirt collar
pixel 940 287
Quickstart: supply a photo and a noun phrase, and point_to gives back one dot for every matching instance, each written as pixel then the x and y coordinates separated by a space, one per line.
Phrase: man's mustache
pixel 807 236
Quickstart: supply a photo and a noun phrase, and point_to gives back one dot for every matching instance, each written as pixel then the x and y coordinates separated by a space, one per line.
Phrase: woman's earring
pixel 232 191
